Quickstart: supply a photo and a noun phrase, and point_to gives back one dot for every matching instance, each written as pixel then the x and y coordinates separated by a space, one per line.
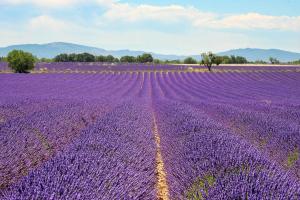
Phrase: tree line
pixel 22 62
pixel 86 57
pixel 296 62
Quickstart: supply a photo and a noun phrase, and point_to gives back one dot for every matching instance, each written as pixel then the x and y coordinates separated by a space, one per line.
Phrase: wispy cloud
pixel 46 22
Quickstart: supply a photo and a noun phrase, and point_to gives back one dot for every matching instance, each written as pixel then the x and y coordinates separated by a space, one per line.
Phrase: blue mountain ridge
pixel 50 50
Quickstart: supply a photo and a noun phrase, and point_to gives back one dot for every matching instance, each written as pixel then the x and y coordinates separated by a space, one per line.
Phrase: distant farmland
pixel 95 131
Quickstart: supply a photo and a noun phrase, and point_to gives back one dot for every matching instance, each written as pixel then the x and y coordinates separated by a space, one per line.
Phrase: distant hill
pixel 263 54
pixel 50 50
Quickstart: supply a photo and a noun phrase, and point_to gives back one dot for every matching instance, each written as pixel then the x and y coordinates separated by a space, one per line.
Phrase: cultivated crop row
pixel 150 135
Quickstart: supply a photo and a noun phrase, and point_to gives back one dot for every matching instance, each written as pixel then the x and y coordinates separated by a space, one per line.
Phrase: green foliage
pixel 230 60
pixel 241 60
pixel 62 58
pixel 296 62
pixel 200 187
pixel 208 59
pixel 45 60
pixel 157 61
pixel 226 60
pixel 71 58
pixel 20 61
pixel 190 60
pixel 260 62
pixel 210 180
pixel 86 57
pixel 100 58
pixel 3 59
pixel 274 61
pixel 218 60
pixel 128 59
pixel 145 58
pixel 116 60
pixel 82 57
pixel 109 59
pixel 172 62
pixel 292 158
pixel 238 60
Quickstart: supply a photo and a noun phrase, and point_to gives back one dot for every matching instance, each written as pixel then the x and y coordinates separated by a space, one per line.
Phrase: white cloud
pixel 125 12
pixel 44 29
pixel 259 21
pixel 174 13
pixel 208 30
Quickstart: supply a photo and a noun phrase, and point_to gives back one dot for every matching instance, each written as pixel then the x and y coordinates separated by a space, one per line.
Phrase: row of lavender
pixel 94 66
pixel 111 159
pixel 48 113
pixel 223 136
pixel 246 148
pixel 204 160
pixel 264 112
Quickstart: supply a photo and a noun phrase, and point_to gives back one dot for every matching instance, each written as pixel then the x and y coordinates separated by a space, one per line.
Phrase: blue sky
pixel 162 26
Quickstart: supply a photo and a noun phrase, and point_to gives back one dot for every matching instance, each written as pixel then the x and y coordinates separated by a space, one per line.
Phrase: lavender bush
pixel 95 130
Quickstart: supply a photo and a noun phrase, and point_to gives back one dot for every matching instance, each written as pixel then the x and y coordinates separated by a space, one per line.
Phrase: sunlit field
pixel 96 131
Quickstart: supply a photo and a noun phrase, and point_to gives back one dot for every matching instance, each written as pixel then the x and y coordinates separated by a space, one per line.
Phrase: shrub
pixel 20 61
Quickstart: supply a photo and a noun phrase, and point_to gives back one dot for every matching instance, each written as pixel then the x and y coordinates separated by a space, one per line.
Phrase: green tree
pixel 190 60
pixel 218 60
pixel 109 58
pixel 145 58
pixel 208 59
pixel 240 60
pixel 100 58
pixel 296 62
pixel 128 59
pixel 173 61
pixel 260 62
pixel 45 60
pixel 157 61
pixel 226 60
pixel 72 57
pixel 62 58
pixel 20 61
pixel 232 59
pixel 116 60
pixel 274 61
pixel 85 57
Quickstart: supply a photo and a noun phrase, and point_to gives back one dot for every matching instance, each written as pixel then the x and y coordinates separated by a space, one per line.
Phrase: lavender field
pixel 84 131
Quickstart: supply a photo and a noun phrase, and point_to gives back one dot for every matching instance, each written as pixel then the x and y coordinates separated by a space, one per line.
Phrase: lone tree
pixel 20 61
pixel 208 59
pixel 274 61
